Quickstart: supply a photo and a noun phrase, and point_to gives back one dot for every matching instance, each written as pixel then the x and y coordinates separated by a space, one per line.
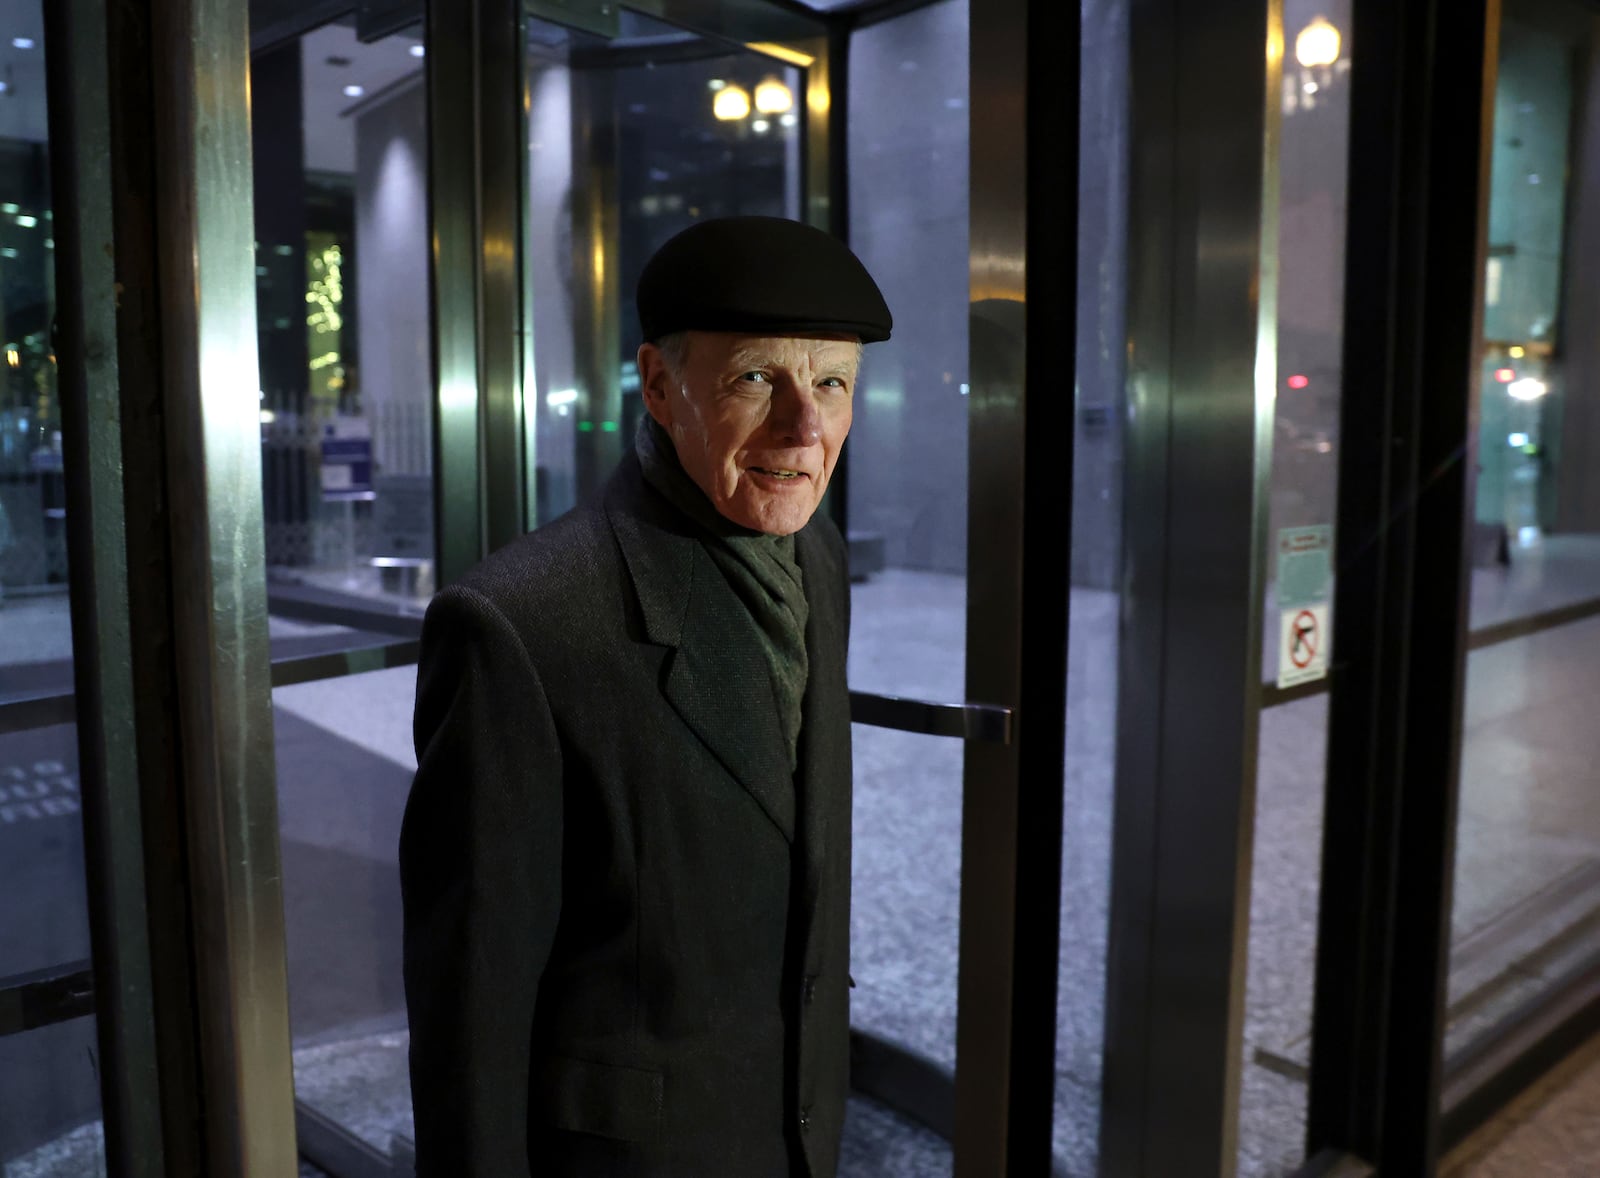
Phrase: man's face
pixel 757 420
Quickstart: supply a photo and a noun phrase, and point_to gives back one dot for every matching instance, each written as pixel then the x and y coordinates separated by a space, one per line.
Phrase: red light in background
pixel 1505 375
pixel 1299 382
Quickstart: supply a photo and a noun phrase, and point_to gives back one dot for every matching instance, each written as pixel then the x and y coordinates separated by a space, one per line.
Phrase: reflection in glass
pixel 908 140
pixel 906 503
pixel 344 762
pixel 50 1102
pixel 1312 175
pixel 49 1081
pixel 631 140
pixel 1095 601
pixel 33 544
pixel 340 145
pixel 1537 500
pixel 1527 885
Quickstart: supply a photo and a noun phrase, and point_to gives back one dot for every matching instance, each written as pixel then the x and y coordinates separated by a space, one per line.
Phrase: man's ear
pixel 655 384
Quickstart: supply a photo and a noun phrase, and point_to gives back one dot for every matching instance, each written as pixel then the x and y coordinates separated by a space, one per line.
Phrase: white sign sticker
pixel 1303 650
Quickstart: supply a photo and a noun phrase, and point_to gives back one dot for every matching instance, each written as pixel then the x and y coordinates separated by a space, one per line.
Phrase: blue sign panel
pixel 346 468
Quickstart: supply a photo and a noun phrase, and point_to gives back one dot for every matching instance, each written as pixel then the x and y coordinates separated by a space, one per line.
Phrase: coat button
pixel 811 989
pixel 805 1119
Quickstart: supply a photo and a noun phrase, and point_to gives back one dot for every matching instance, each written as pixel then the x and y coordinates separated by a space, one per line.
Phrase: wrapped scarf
pixel 761 570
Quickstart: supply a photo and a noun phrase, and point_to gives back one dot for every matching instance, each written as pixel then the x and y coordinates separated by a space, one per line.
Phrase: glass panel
pixel 345 763
pixel 33 548
pixel 631 140
pixel 340 146
pixel 41 851
pixel 908 445
pixel 50 1102
pixel 49 1082
pixel 1095 605
pixel 907 512
pixel 1291 765
pixel 1527 891
pixel 904 921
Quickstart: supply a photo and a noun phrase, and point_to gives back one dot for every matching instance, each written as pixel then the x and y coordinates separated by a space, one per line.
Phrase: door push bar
pixel 989 723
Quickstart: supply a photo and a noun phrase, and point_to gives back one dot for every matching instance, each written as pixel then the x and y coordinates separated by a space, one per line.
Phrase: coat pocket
pixel 607 1100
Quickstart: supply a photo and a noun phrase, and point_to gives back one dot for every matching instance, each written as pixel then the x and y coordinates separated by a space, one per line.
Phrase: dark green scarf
pixel 761 569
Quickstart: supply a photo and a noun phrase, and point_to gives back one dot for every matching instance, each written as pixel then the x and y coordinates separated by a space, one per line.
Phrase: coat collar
pixel 716 678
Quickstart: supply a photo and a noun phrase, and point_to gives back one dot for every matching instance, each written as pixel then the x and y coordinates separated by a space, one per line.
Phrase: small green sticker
pixel 1305 566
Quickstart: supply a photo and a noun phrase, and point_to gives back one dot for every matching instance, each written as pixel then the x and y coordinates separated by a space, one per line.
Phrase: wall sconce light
pixel 1318 44
pixel 731 103
pixel 774 98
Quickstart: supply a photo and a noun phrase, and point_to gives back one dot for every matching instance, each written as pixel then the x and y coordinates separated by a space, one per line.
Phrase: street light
pixel 1318 44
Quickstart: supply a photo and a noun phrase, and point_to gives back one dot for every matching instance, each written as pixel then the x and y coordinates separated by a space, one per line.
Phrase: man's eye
pixel 754 376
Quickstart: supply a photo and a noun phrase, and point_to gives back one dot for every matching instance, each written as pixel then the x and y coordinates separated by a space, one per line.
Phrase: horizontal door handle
pixel 989 723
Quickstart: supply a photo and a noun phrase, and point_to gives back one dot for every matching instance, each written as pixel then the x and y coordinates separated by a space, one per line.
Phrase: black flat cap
pixel 759 274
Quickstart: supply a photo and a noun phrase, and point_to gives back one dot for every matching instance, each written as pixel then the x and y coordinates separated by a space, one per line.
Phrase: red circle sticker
pixel 1304 638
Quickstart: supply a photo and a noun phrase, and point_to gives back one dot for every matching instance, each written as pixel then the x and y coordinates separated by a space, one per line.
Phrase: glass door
pixel 49 1091
pixel 1527 874
pixel 633 135
pixel 341 158
pixel 638 126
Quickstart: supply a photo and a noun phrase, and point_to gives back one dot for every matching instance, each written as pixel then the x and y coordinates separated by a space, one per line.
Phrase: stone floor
pixel 1551 1131
pixel 1530 830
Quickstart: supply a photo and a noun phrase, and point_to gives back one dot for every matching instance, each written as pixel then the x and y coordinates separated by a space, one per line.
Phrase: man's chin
pixel 775 519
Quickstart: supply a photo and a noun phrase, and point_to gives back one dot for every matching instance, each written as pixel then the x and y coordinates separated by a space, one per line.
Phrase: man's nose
pixel 798 419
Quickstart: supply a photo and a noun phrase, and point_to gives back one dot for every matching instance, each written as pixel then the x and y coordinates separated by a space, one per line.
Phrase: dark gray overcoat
pixel 626 921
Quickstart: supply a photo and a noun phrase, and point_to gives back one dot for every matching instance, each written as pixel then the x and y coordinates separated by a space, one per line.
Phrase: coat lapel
pixel 716 678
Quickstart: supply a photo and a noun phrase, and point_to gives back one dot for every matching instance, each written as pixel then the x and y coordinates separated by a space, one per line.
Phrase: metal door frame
pixel 1011 851
pixel 1380 1088
pixel 149 113
pixel 150 137
pixel 1201 323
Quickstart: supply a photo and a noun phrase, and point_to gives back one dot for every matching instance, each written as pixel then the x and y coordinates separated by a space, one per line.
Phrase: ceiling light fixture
pixel 1318 44
pixel 773 97
pixel 731 103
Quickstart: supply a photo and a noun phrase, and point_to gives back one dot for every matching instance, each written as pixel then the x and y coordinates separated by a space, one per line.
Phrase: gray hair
pixel 675 353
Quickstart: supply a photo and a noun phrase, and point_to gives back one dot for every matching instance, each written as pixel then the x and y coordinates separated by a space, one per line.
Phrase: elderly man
pixel 626 856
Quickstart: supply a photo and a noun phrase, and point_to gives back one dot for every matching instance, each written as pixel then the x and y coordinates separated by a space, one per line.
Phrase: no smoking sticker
pixel 1303 649
pixel 1304 591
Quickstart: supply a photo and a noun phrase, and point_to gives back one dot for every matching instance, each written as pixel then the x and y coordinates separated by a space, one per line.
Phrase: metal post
pixel 1024 103
pixel 159 383
pixel 82 182
pixel 1421 86
pixel 596 287
pixel 205 288
pixel 502 46
pixel 452 213
pixel 1198 440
